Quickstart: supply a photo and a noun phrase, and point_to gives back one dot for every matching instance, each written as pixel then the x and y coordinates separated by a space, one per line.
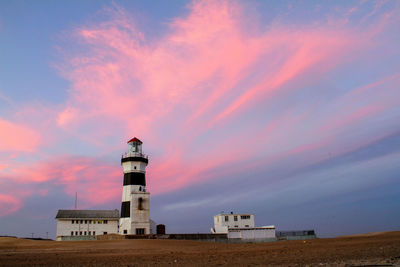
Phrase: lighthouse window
pixel 140 231
pixel 125 209
pixel 140 203
pixel 134 167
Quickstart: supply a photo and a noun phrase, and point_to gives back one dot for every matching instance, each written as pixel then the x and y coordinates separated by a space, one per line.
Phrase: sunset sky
pixel 286 109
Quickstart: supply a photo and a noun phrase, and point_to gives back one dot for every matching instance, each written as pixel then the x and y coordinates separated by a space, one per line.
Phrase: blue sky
pixel 286 109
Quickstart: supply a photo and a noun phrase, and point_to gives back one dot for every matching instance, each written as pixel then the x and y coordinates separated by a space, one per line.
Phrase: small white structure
pixel 242 227
pixel 223 222
pixel 135 207
pixel 81 224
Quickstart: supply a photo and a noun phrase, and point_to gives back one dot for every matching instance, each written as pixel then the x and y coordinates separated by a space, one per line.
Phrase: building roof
pixel 236 214
pixel 134 139
pixel 88 214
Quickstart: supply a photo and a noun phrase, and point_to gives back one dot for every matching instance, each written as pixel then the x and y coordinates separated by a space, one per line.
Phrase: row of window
pixel 235 217
pixel 90 221
pixel 85 233
pixel 139 231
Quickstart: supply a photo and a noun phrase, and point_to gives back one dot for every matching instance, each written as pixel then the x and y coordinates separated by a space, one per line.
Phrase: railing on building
pixel 134 154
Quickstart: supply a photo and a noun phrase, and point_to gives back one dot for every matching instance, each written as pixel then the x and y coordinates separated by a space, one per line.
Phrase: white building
pixel 135 207
pixel 222 222
pixel 241 226
pixel 78 224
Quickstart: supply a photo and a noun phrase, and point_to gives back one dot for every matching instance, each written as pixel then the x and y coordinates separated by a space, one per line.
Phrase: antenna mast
pixel 76 200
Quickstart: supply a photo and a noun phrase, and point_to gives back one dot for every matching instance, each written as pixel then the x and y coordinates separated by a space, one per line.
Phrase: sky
pixel 285 109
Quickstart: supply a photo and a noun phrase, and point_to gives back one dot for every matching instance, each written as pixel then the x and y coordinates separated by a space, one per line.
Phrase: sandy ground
pixel 378 249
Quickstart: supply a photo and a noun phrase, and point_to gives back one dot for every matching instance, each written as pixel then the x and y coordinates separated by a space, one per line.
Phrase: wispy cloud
pixel 209 97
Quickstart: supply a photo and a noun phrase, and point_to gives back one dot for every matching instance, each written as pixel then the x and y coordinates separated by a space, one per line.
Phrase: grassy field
pixel 375 249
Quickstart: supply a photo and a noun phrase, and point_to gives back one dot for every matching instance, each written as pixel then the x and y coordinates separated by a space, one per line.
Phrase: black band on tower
pixel 126 209
pixel 134 178
pixel 142 159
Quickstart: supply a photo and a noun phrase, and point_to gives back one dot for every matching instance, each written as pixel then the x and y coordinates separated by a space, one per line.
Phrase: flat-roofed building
pixel 222 222
pixel 241 226
pixel 86 224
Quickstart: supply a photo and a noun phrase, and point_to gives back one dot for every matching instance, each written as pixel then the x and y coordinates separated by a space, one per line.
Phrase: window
pixel 235 218
pixel 84 233
pixel 236 226
pixel 81 221
pixel 140 231
pixel 105 221
pixel 99 222
pixel 246 225
pixel 76 232
pixel 134 167
pixel 80 233
pixel 245 217
pixel 104 233
pixel 126 209
pixel 140 203
pixel 94 232
pixel 90 221
pixel 89 233
pixel 85 221
pixel 72 221
pixel 94 222
pixel 125 232
pixel 72 232
pixel 226 218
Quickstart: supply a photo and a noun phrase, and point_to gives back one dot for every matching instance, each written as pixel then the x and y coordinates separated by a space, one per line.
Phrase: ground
pixel 378 249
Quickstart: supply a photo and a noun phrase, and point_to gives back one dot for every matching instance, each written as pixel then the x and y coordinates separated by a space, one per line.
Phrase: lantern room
pixel 135 145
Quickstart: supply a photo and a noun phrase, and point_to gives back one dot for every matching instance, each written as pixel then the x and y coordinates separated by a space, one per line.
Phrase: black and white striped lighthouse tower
pixel 135 208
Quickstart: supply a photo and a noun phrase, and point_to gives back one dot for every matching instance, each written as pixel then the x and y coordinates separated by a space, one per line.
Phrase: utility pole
pixel 76 200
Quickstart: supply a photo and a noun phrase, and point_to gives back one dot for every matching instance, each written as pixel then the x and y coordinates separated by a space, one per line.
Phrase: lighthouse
pixel 135 207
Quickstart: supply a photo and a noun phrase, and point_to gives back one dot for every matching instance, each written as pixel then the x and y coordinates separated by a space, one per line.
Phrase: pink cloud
pixel 95 181
pixel 206 68
pixel 9 204
pixel 202 97
pixel 17 137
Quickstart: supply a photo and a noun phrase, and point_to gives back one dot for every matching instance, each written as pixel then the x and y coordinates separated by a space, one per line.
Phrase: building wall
pixel 224 221
pixel 140 212
pixel 252 233
pixel 65 226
